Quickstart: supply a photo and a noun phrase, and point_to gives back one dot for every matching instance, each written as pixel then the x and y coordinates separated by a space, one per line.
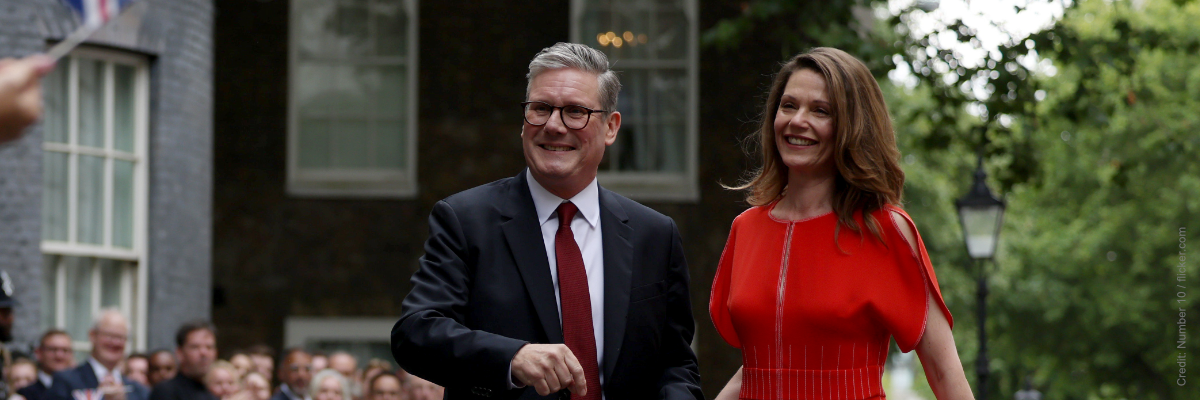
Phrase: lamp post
pixel 980 213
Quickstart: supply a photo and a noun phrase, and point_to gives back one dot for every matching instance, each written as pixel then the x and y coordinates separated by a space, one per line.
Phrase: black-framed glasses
pixel 537 113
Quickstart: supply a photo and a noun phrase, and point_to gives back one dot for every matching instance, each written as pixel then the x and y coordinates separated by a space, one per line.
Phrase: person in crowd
pixel 54 354
pixel 163 367
pixel 137 368
pixel 546 281
pixel 329 385
pixel 264 359
pixel 295 374
pixel 196 349
pixel 376 367
pixel 320 360
pixel 21 93
pixel 420 389
pixel 385 387
pixel 826 268
pixel 20 374
pixel 99 375
pixel 255 387
pixel 223 380
pixel 242 362
pixel 347 365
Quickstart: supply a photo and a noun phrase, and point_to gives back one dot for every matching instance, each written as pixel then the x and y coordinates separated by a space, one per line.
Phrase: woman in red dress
pixel 826 268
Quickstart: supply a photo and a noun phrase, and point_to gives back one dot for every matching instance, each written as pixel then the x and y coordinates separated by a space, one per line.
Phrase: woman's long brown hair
pixel 869 174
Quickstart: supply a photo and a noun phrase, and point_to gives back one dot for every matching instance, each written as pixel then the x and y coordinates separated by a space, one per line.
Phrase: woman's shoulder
pixel 753 215
pixel 895 221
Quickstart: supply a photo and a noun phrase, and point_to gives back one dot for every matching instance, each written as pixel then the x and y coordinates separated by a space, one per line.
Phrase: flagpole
pixel 68 44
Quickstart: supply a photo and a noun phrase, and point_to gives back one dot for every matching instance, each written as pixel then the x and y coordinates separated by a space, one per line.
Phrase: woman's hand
pixel 733 388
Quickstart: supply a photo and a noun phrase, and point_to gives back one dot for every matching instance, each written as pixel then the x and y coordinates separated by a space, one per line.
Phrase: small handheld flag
pixel 94 14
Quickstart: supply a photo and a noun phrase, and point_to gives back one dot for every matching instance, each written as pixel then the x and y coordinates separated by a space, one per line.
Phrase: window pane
pixel 122 208
pixel 392 92
pixel 669 40
pixel 54 195
pixel 110 283
pixel 90 200
pixel 327 29
pixel 334 90
pixel 50 290
pixel 351 144
pixel 389 144
pixel 123 104
pixel 78 307
pixel 91 103
pixel 55 101
pixel 391 27
pixel 314 143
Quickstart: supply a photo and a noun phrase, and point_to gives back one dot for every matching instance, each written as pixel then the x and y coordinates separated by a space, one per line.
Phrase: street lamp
pixel 980 213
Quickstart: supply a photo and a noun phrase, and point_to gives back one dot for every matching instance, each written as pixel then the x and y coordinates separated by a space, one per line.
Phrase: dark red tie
pixel 576 300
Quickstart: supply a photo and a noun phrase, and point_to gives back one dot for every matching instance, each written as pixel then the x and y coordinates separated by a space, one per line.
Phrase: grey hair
pixel 314 386
pixel 108 312
pixel 583 58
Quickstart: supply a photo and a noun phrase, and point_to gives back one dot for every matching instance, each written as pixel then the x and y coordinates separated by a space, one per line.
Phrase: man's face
pixel 386 388
pixel 162 367
pixel 563 159
pixel 344 364
pixel 296 372
pixel 137 369
pixel 197 353
pixel 108 340
pixel 54 354
pixel 263 364
pixel 6 321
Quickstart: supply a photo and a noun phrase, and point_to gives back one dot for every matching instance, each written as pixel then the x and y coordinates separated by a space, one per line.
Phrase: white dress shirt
pixel 586 228
pixel 102 372
pixel 45 378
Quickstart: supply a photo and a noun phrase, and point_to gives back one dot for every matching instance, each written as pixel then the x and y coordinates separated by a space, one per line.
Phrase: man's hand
pixel 549 368
pixel 21 93
pixel 111 389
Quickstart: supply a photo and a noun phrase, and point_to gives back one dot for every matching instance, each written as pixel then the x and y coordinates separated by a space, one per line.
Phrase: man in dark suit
pixel 99 375
pixel 545 283
pixel 295 373
pixel 53 355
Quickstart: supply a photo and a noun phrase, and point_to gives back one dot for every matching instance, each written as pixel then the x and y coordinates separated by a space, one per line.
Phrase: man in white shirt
pixel 548 283
pixel 99 376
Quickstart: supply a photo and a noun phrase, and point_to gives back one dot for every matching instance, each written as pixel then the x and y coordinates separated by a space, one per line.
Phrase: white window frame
pixel 657 186
pixel 133 283
pixel 354 183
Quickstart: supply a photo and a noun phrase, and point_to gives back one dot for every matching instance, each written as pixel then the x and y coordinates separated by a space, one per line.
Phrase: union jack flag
pixel 97 12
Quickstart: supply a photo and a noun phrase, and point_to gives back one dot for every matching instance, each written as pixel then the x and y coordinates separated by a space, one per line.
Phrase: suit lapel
pixel 618 268
pixel 524 237
pixel 88 375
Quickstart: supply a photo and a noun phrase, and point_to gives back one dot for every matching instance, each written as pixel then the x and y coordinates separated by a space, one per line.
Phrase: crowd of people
pixel 192 371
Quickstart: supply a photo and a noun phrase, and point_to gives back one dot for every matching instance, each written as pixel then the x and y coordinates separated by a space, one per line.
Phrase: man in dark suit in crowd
pixel 295 373
pixel 99 376
pixel 196 348
pixel 53 355
pixel 546 282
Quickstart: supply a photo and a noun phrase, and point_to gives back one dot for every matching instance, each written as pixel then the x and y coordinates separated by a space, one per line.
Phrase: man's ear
pixel 613 124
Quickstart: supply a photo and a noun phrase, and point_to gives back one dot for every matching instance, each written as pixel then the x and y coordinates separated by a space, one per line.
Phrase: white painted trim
pixel 298 331
pixel 325 183
pixel 683 186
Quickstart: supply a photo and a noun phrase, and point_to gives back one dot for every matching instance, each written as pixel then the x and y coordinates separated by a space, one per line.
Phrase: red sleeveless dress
pixel 814 322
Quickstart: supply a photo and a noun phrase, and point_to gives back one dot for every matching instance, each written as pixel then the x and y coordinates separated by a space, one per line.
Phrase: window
pixel 364 338
pixel 351 107
pixel 653 46
pixel 94 192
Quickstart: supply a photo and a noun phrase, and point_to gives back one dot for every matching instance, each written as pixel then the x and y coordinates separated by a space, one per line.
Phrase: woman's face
pixel 804 125
pixel 257 387
pixel 221 383
pixel 330 389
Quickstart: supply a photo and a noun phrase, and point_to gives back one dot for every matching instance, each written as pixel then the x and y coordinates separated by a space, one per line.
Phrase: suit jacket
pixel 83 377
pixel 484 290
pixel 35 391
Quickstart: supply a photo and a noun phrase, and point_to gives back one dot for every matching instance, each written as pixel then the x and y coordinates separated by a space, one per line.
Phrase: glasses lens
pixel 575 117
pixel 536 113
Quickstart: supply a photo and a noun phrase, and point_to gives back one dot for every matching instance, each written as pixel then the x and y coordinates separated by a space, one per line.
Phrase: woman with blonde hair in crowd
pixel 329 384
pixel 223 381
pixel 826 268
pixel 255 386
pixel 21 373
